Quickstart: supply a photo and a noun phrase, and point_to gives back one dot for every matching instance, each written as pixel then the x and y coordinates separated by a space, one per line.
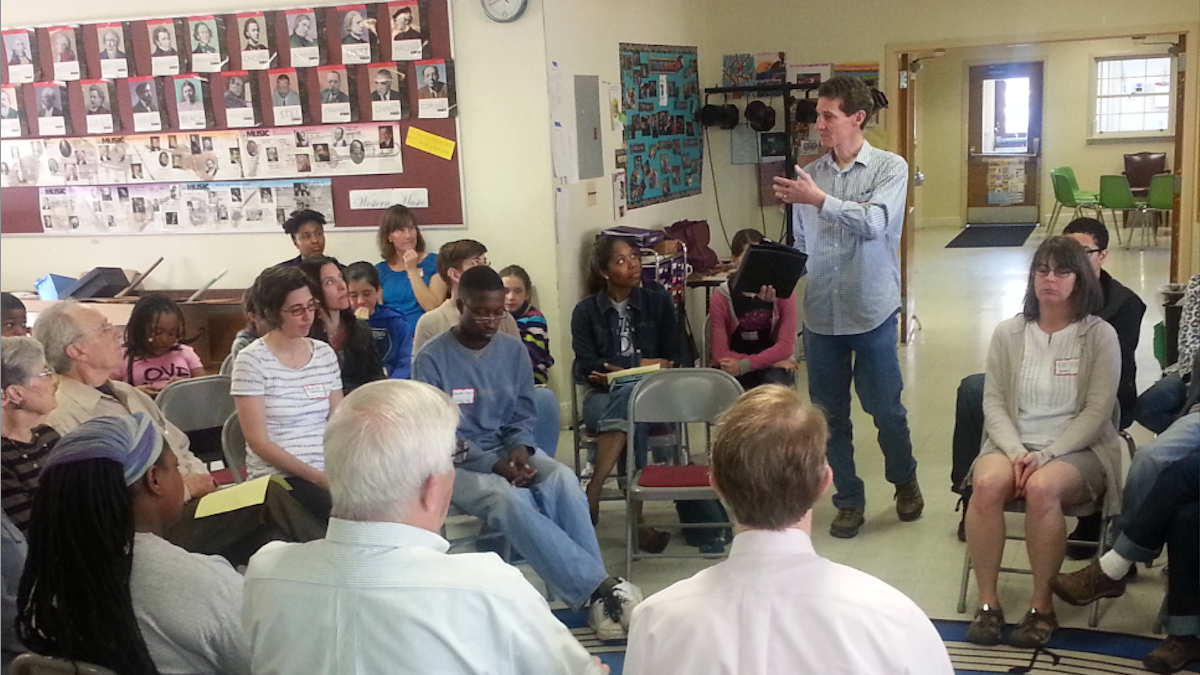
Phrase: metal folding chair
pixel 674 396
pixel 233 447
pixel 199 406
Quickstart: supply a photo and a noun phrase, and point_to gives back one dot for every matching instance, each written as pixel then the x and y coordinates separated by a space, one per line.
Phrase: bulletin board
pixel 227 123
pixel 664 151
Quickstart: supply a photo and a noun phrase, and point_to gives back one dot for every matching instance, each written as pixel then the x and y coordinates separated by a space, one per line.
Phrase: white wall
pixel 941 87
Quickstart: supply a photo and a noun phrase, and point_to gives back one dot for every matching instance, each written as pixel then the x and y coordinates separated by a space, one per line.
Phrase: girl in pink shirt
pixel 155 354
pixel 753 338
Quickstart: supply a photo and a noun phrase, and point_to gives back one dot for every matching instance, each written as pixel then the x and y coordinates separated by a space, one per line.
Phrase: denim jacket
pixel 594 330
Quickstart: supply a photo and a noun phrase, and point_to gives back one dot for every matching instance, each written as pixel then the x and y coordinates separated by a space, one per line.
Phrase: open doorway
pixel 931 128
pixel 1004 144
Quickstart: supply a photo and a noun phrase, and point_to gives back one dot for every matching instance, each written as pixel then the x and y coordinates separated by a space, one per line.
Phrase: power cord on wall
pixel 716 192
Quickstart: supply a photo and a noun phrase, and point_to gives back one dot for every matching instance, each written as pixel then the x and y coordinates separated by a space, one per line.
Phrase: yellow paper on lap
pixel 249 493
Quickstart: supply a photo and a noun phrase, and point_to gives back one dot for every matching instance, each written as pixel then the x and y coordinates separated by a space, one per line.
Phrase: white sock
pixel 1114 566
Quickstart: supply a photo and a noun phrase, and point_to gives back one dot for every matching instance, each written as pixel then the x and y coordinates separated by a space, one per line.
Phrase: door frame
pixel 1185 233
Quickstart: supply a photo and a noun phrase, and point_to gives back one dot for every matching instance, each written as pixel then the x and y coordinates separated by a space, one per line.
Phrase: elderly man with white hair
pixel 380 594
pixel 83 347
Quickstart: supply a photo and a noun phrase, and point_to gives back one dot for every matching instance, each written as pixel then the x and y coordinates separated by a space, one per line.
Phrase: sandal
pixel 651 540
pixel 1034 631
pixel 987 626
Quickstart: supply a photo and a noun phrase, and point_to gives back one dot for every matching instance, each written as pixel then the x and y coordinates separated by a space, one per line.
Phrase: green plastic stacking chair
pixel 1116 195
pixel 1080 195
pixel 1064 197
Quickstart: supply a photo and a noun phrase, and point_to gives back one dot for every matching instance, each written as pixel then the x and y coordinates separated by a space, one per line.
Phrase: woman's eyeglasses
pixel 301 310
pixel 1057 272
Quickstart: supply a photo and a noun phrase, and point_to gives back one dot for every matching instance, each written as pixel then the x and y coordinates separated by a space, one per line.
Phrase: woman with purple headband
pixel 101 584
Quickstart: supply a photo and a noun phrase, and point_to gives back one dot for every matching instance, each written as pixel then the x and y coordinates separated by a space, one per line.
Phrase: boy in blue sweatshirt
pixel 500 476
pixel 388 327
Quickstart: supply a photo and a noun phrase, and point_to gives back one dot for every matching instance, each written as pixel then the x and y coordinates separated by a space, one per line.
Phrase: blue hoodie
pixel 394 340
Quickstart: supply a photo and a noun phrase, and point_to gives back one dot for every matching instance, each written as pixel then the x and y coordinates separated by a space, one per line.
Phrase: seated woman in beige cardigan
pixel 1049 395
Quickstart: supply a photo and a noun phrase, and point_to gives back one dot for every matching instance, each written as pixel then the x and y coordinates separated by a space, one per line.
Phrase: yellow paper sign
pixel 431 143
pixel 250 493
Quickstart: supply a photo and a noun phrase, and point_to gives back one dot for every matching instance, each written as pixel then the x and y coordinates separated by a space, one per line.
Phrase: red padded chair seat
pixel 225 476
pixel 669 476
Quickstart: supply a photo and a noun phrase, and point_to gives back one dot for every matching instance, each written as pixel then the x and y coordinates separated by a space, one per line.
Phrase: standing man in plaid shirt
pixel 849 211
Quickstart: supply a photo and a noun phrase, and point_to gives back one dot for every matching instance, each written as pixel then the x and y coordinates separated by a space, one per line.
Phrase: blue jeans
pixel 548 523
pixel 546 426
pixel 1181 439
pixel 1157 406
pixel 870 360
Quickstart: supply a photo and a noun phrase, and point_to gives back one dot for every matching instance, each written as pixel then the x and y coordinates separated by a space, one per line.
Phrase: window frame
pixel 1095 97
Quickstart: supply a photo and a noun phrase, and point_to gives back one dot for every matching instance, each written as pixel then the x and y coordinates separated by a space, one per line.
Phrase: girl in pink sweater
pixel 156 353
pixel 753 337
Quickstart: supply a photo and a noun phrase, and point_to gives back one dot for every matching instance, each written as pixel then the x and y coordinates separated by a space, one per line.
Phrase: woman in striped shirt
pixel 285 386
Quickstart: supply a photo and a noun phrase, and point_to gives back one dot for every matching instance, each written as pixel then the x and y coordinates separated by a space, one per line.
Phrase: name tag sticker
pixel 750 335
pixel 314 392
pixel 1066 366
pixel 463 396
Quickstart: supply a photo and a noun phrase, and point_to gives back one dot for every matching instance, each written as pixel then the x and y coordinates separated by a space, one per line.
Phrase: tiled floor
pixel 960 295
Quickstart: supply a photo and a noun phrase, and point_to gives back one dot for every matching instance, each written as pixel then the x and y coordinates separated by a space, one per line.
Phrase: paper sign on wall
pixel 365 200
pixel 431 143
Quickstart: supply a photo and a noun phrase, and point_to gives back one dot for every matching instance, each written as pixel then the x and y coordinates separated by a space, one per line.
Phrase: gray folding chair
pixel 227 365
pixel 1018 506
pixel 233 446
pixel 36 664
pixel 674 396
pixel 199 406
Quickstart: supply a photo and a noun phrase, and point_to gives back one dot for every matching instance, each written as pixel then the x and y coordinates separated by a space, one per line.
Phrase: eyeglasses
pixel 48 372
pixel 1058 273
pixel 461 448
pixel 106 328
pixel 487 318
pixel 301 310
pixel 1090 251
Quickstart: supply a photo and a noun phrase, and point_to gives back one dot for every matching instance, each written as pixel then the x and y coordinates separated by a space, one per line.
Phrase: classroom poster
pixel 662 138
pixel 180 207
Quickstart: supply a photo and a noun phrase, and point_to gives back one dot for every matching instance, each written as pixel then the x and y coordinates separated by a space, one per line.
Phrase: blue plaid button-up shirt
pixel 853 242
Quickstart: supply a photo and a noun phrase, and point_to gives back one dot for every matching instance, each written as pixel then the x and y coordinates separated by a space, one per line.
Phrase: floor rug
pixel 983 236
pixel 1073 651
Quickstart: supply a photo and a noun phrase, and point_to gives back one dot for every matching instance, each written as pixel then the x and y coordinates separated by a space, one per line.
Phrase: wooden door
pixel 1004 143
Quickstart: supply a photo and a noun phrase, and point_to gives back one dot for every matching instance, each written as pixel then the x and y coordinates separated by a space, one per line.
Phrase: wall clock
pixel 504 11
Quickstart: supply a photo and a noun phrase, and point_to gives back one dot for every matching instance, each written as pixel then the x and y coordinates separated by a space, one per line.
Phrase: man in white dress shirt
pixel 775 605
pixel 379 595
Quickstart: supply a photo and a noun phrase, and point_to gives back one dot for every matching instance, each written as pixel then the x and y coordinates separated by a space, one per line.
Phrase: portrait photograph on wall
pixel 254 40
pixel 64 43
pixel 389 92
pixel 410 42
pixel 205 43
pixel 98 106
pixel 359 36
pixel 20 51
pixel 303 37
pixel 164 47
pixel 114 50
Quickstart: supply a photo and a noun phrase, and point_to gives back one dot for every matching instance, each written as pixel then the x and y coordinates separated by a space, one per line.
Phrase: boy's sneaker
pixel 610 615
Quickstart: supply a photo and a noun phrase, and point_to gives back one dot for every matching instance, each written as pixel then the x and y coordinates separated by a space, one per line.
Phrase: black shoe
pixel 1085 538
